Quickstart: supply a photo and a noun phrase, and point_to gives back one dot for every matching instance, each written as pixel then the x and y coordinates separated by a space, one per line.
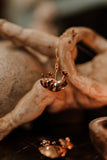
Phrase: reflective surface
pixel 23 143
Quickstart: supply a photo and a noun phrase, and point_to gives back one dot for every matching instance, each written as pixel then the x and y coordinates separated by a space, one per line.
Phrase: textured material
pixel 18 72
pixel 98 134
